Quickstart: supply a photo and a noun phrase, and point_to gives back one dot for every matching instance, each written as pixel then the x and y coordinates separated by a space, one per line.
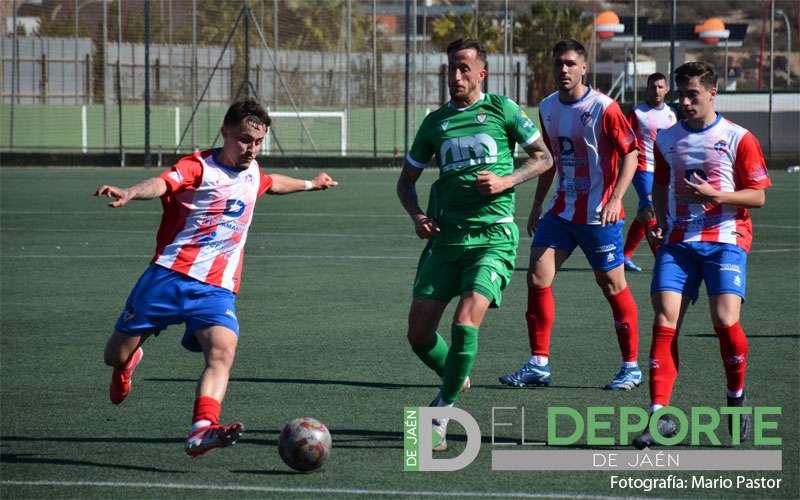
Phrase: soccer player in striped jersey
pixel 709 171
pixel 646 119
pixel 469 225
pixel 208 200
pixel 586 132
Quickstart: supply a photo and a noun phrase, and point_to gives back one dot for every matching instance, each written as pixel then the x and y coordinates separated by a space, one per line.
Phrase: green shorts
pixel 484 265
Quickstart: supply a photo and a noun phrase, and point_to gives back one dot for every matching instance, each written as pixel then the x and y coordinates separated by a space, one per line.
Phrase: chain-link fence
pixel 352 77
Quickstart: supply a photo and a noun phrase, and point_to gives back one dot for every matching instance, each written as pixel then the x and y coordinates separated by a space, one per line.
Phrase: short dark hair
pixel 566 46
pixel 703 70
pixel 656 77
pixel 469 43
pixel 246 109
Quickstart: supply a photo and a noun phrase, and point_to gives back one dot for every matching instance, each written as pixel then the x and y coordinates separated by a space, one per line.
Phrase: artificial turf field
pixel 323 304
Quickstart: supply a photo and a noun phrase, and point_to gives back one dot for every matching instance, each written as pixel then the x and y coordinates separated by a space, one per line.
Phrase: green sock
pixel 459 361
pixel 433 355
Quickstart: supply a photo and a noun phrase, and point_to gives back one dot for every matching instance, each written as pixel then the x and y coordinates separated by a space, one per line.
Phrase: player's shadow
pixel 139 440
pixel 350 383
pixel 342 438
pixel 373 385
pixel 562 270
pixel 33 458
pixel 268 472
pixel 502 387
pixel 749 336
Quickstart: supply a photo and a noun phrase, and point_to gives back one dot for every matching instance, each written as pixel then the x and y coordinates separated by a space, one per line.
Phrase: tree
pixel 538 31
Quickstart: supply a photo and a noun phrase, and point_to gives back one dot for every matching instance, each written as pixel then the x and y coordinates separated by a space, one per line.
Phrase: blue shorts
pixel 680 267
pixel 164 297
pixel 643 184
pixel 602 245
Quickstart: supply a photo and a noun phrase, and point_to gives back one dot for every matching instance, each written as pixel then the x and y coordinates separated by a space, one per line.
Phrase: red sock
pixel 733 348
pixel 663 364
pixel 634 237
pixel 626 322
pixel 540 315
pixel 206 408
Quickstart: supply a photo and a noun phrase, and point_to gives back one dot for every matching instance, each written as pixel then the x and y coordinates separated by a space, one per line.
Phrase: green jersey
pixel 465 142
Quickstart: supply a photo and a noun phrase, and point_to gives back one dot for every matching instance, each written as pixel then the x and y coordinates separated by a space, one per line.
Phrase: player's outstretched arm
pixel 283 184
pixel 539 161
pixel 145 190
pixel 424 226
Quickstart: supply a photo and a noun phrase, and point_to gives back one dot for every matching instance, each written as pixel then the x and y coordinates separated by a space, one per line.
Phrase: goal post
pixel 299 115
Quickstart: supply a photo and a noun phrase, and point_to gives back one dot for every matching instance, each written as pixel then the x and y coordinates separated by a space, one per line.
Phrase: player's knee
pixel 663 318
pixel 610 286
pixel 222 355
pixel 724 319
pixel 537 280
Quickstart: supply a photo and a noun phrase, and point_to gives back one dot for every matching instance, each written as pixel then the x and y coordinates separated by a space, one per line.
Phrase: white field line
pixel 322 257
pixel 289 490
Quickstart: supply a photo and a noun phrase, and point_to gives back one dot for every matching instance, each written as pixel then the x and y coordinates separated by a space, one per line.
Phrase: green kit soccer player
pixel 470 226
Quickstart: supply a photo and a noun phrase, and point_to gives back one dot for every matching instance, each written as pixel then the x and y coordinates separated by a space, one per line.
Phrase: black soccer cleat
pixel 745 421
pixel 666 427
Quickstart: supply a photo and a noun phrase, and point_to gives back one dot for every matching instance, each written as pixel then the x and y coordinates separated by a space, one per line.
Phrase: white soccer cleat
pixel 439 433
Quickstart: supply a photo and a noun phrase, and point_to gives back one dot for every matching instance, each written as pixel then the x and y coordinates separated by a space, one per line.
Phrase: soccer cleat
pixel 213 436
pixel 630 265
pixel 439 428
pixel 666 427
pixel 439 434
pixel 121 378
pixel 744 420
pixel 528 375
pixel 625 379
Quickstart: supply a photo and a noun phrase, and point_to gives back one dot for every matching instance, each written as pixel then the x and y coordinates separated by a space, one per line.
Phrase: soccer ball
pixel 304 444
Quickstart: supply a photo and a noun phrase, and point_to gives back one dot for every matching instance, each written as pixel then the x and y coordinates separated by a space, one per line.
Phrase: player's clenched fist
pixel 323 181
pixel 425 227
pixel 489 183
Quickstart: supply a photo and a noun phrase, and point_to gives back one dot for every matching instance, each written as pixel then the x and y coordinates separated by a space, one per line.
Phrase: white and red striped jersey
pixel 207 212
pixel 646 122
pixel 586 138
pixel 729 158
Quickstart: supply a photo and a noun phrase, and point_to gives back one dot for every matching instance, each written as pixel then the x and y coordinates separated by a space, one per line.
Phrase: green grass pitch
pixel 326 289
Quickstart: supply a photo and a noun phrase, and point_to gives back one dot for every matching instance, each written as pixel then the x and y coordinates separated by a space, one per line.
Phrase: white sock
pixel 200 424
pixel 655 408
pixel 630 364
pixel 735 394
pixel 538 360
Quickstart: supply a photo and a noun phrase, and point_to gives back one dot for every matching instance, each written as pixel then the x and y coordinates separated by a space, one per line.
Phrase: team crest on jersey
pixel 234 208
pixel 481 117
pixel 586 117
pixel 721 147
